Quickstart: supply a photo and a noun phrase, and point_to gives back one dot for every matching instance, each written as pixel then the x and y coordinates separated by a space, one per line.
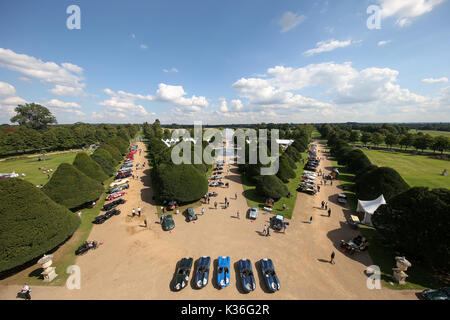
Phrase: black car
pixel 85 247
pixel 182 275
pixel 113 204
pixel 270 277
pixel 246 274
pixel 436 294
pixel 190 214
pixel 202 274
pixel 212 194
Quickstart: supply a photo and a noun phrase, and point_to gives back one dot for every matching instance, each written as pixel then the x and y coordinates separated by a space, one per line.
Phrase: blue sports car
pixel 246 274
pixel 223 271
pixel 268 271
pixel 202 274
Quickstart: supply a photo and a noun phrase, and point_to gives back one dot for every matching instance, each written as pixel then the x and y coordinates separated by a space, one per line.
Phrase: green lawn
pixel 416 170
pixel 255 200
pixel 433 133
pixel 382 255
pixel 30 166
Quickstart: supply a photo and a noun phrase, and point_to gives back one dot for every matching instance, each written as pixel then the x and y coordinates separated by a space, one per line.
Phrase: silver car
pixel 253 213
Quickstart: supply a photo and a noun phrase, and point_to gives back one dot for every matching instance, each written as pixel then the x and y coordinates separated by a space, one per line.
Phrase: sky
pixel 225 62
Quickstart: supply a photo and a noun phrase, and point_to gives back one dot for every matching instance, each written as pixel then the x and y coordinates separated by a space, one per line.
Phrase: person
pixel 145 223
pixel 264 231
pixel 284 206
pixel 238 215
pixel 203 211
pixel 26 292
pixel 79 214
pixel 268 231
pixel 93 204
pixel 133 213
pixel 329 212
pixel 215 204
pixel 137 177
pixel 284 227
pixel 177 212
pixel 323 204
pixel 209 200
pixel 139 211
pixel 326 205
pixel 331 182
pixel 235 195
pixel 332 258
pixel 310 220
pixel 318 188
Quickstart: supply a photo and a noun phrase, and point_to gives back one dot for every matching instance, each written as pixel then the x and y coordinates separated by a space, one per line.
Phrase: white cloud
pixel 236 104
pixel 171 70
pixel 8 101
pixel 143 46
pixel 6 89
pixel 122 104
pixel 62 105
pixel 329 45
pixel 223 105
pixel 67 91
pixel 133 36
pixel 434 80
pixel 405 10
pixel 175 95
pixel 290 20
pixel 65 75
pixel 383 42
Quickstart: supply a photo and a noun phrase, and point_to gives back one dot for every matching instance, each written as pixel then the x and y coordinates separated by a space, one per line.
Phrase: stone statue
pixel 399 272
pixel 49 272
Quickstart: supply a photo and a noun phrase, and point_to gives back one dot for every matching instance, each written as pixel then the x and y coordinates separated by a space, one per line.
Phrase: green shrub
pixel 381 180
pixel 120 144
pixel 89 167
pixel 357 161
pixel 271 187
pixel 105 160
pixel 113 151
pixel 285 172
pixel 71 188
pixel 31 224
pixel 183 183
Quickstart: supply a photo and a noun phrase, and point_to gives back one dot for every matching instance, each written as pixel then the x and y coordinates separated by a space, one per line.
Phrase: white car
pixel 310 173
pixel 119 183
pixel 214 184
pixel 253 213
pixel 309 176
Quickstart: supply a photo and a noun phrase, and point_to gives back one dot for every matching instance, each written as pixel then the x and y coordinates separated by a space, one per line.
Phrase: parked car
pixel 182 274
pixel 270 277
pixel 218 169
pixel 253 213
pixel 308 190
pixel 277 222
pixel 246 275
pixel 123 176
pixel 212 194
pixel 115 195
pixel 342 198
pixel 113 204
pixel 436 294
pixel 202 273
pixel 357 244
pixel 103 217
pixel 85 247
pixel 190 214
pixel 119 183
pixel 119 188
pixel 223 271
pixel 214 184
pixel 168 223
pixel 216 177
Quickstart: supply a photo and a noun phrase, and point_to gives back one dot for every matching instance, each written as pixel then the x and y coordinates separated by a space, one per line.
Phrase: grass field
pixel 433 133
pixel 30 166
pixel 416 170
pixel 255 200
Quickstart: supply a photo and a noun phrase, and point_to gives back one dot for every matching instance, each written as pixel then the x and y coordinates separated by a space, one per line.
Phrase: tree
pixel 120 144
pixel 182 183
pixel 271 187
pixel 366 137
pixel 105 160
pixel 71 188
pixel 380 180
pixel 406 140
pixel 391 139
pixel 113 151
pixel 416 223
pixel 441 144
pixel 354 136
pixel 377 138
pixel 31 224
pixel 285 171
pixel 33 115
pixel 89 167
pixel 422 141
pixel 357 161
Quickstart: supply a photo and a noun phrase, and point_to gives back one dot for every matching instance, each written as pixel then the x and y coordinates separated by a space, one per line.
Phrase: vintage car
pixel 202 273
pixel 115 195
pixel 190 214
pixel 246 275
pixel 223 271
pixel 119 183
pixel 168 223
pixel 436 294
pixel 182 274
pixel 119 188
pixel 308 190
pixel 342 198
pixel 357 244
pixel 253 213
pixel 270 277
pixel 113 204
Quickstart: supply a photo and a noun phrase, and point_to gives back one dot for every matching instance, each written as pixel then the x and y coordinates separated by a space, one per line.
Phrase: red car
pixel 115 195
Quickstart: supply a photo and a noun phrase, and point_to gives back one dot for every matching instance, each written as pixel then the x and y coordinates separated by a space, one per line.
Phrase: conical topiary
pixel 71 187
pixel 89 167
pixel 113 151
pixel 31 223
pixel 105 160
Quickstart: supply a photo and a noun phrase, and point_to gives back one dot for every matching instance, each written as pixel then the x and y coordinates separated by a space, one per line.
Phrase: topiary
pixel 285 172
pixel 71 188
pixel 113 151
pixel 105 160
pixel 89 167
pixel 31 223
pixel 120 144
pixel 271 187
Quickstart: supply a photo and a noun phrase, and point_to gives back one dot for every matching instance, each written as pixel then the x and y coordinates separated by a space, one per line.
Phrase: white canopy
pixel 369 207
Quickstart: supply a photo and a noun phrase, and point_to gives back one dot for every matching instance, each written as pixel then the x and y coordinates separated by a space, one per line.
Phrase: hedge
pixel 271 187
pixel 105 160
pixel 89 167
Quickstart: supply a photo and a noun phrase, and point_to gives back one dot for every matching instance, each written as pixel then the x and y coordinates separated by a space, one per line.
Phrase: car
pixel 214 184
pixel 103 217
pixel 182 274
pixel 218 172
pixel 306 189
pixel 115 195
pixel 113 204
pixel 119 183
pixel 253 213
pixel 306 179
pixel 168 223
pixel 223 271
pixel 246 275
pixel 190 214
pixel 357 244
pixel 119 188
pixel 212 194
pixel 218 169
pixel 216 177
pixel 202 273
pixel 309 173
pixel 311 168
pixel 220 183
pixel 126 168
pixel 123 175
pixel 436 294
pixel 305 184
pixel 342 198
pixel 277 222
pixel 270 276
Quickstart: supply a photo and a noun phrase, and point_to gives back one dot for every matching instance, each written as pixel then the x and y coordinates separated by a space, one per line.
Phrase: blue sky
pixel 227 61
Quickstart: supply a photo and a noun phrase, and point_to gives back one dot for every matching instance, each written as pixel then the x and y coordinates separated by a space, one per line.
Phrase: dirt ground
pixel 139 263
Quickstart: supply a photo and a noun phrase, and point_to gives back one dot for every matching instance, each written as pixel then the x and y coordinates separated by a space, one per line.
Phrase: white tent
pixel 369 207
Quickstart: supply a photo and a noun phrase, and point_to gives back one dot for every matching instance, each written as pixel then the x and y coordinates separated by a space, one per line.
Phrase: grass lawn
pixel 30 166
pixel 416 170
pixel 433 133
pixel 255 200
pixel 382 255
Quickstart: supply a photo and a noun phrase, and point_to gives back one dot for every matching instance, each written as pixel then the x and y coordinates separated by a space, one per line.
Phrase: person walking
pixel 268 231
pixel 332 258
pixel 237 214
pixel 133 213
pixel 310 220
pixel 323 204
pixel 145 223
pixel 264 231
pixel 331 182
pixel 209 200
pixel 284 227
pixel 326 205
pixel 235 196
pixel 329 212
pixel 26 292
pixel 318 188
pixel 215 204
pixel 139 211
pixel 203 211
